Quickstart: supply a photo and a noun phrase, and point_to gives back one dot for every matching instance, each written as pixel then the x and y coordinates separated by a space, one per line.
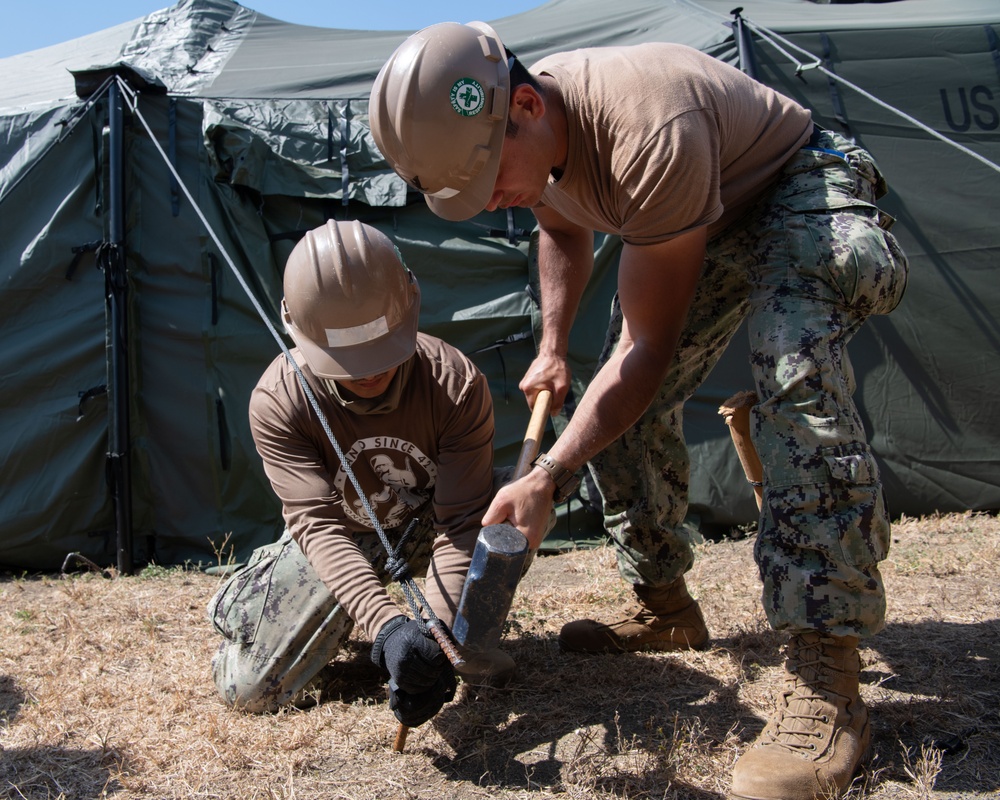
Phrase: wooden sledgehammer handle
pixel 529 451
pixel 533 436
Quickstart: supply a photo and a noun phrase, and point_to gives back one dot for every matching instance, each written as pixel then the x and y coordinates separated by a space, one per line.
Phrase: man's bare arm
pixel 566 260
pixel 656 284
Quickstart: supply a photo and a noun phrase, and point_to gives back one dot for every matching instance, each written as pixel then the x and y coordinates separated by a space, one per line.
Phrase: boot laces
pixel 804 714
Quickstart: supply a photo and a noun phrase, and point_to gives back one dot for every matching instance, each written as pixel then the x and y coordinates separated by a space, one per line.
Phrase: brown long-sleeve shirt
pixel 434 446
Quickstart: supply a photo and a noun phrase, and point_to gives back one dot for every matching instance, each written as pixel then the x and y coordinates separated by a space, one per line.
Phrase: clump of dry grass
pixel 105 692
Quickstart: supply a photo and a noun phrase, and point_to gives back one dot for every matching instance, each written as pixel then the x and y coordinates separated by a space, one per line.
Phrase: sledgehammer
pixel 497 563
pixel 499 557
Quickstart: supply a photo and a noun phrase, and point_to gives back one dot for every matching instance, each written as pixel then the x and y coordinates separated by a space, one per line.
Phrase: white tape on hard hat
pixel 359 334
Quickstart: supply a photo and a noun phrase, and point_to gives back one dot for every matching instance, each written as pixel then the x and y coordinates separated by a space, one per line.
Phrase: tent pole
pixel 116 299
pixel 744 45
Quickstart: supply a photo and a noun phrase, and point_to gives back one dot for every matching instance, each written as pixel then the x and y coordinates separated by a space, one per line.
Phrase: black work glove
pixel 415 708
pixel 415 662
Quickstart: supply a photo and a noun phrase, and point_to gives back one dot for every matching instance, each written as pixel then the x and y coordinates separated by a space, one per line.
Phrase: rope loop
pixel 397 568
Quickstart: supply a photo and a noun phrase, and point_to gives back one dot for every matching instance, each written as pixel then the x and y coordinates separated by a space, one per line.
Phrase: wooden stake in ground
pixel 736 412
pixel 449 649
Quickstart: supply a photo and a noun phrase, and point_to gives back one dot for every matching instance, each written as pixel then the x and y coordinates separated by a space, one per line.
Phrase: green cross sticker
pixel 467 97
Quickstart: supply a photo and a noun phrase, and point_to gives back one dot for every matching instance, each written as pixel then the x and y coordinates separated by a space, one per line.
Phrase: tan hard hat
pixel 350 304
pixel 438 112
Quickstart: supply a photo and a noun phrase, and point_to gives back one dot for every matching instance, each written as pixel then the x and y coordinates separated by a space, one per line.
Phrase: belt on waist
pixel 814 143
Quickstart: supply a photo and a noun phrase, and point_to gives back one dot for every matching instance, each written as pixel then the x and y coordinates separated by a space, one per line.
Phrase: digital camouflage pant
pixel 805 267
pixel 282 626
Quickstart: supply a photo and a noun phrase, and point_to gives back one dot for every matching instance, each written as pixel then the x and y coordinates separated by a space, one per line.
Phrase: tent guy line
pixel 773 38
pixel 816 63
pixel 400 572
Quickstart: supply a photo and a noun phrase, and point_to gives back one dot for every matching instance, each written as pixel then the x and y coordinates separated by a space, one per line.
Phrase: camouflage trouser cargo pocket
pixel 846 254
pixel 820 544
pixel 280 625
pixel 854 473
pixel 814 511
pixel 238 606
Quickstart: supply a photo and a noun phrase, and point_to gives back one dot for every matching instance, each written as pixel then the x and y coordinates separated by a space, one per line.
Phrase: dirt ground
pixel 105 692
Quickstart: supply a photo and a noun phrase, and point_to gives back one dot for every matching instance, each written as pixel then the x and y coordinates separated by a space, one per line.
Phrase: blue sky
pixel 30 25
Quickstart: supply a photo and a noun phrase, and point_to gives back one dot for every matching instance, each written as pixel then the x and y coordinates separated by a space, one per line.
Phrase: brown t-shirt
pixel 664 138
pixel 434 446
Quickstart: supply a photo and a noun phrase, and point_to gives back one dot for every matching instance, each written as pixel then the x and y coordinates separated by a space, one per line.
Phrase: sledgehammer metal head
pixel 499 558
pixel 497 564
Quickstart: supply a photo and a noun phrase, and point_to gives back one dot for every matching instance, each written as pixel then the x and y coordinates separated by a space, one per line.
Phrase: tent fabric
pixel 266 124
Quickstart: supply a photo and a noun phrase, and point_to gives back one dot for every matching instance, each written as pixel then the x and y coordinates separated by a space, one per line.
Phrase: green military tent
pixel 155 175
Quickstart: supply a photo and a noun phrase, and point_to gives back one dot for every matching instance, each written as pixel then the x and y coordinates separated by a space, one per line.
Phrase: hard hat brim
pixel 361 360
pixel 474 197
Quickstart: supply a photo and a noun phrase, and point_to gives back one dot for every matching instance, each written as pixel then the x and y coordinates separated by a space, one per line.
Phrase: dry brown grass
pixel 105 692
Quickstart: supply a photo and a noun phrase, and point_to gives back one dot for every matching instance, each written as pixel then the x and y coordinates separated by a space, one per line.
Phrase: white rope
pixel 773 38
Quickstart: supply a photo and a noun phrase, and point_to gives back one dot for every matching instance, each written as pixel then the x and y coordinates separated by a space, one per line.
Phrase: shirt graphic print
pixel 396 476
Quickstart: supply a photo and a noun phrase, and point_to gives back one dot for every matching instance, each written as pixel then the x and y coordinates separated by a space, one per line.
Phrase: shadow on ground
pixel 11 700
pixel 81 773
pixel 951 672
pixel 560 724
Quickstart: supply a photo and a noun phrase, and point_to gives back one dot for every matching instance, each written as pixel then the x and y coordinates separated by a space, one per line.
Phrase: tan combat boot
pixel 668 620
pixel 819 733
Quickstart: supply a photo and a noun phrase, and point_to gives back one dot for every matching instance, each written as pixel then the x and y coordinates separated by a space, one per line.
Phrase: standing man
pixel 731 205
pixel 414 419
